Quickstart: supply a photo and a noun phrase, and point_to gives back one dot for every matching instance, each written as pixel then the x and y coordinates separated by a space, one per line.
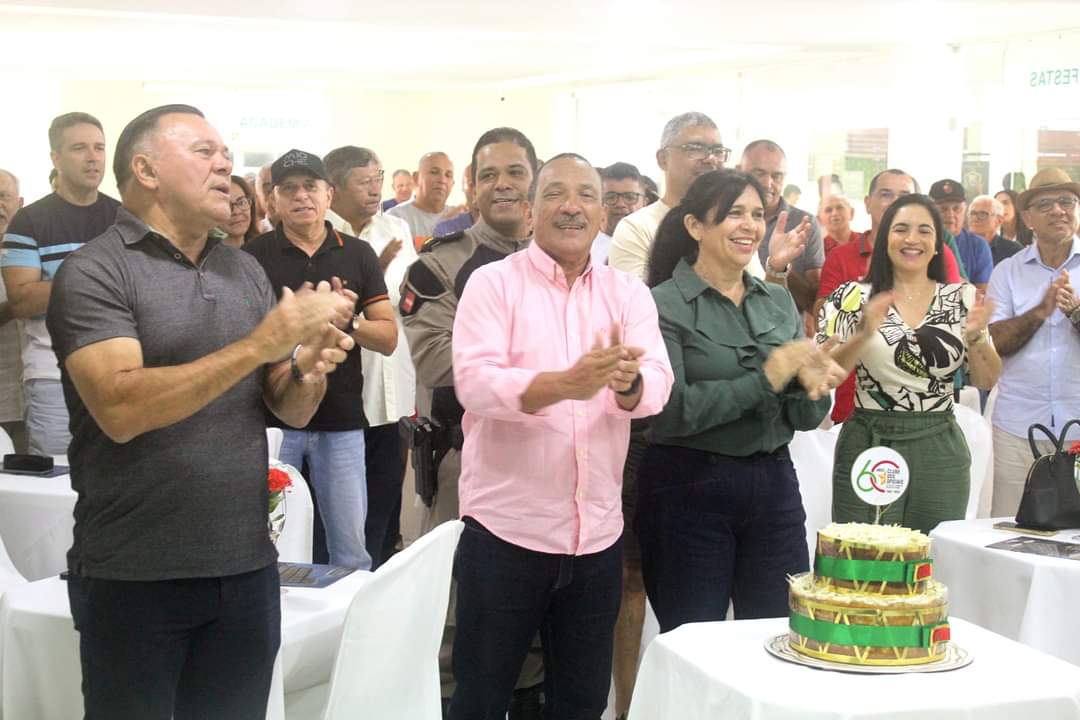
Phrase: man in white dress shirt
pixel 389 381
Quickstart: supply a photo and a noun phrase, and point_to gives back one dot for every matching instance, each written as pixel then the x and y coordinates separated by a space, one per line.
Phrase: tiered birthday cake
pixel 871 599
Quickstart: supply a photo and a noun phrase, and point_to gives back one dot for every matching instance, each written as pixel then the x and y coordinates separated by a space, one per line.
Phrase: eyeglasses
pixel 980 215
pixel 630 198
pixel 240 204
pixel 375 180
pixel 1067 203
pixel 699 151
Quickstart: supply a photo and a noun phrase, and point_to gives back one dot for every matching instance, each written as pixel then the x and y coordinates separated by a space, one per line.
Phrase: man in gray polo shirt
pixel 169 345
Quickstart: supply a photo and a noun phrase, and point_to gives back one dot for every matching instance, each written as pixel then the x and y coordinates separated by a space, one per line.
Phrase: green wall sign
pixel 1054 78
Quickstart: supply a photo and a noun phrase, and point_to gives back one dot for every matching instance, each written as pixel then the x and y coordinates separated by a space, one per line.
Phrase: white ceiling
pixel 422 44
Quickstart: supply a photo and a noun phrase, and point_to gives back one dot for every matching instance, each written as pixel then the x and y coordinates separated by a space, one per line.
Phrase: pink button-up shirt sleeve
pixel 483 378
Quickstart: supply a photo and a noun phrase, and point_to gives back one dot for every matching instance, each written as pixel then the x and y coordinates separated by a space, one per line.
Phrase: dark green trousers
pixel 938 460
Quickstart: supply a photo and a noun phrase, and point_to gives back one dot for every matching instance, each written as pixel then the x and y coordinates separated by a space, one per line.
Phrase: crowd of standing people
pixel 615 374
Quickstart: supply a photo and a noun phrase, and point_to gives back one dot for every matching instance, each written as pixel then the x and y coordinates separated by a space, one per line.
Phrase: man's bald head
pixel 10 200
pixel 434 180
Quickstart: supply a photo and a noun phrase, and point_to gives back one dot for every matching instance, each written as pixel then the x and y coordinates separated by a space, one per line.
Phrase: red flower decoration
pixel 1074 449
pixel 279 480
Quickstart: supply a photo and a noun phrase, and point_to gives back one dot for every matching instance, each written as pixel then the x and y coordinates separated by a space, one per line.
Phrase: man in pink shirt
pixel 552 358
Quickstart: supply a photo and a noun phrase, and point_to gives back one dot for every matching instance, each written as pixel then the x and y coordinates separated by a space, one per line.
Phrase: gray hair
pixel 767 144
pixel 13 178
pixel 996 208
pixel 339 162
pixel 679 123
pixel 829 198
pixel 535 184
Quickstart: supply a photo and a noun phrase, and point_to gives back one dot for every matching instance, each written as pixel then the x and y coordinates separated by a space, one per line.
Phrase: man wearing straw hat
pixel 1036 329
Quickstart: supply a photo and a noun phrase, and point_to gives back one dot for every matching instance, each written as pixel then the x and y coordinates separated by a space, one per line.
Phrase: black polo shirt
pixel 355 263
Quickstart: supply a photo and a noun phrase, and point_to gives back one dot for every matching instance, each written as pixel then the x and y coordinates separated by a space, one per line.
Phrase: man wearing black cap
pixel 305 248
pixel 976 261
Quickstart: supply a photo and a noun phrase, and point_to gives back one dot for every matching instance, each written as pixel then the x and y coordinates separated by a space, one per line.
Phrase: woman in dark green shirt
pixel 719 515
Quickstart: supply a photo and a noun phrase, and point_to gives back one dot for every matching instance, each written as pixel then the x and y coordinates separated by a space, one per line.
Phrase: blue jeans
pixel 46 417
pixel 715 528
pixel 195 649
pixel 336 465
pixel 506 593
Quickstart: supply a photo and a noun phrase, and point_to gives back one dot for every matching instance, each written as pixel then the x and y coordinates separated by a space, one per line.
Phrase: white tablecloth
pixel 40 675
pixel 711 671
pixel 36 522
pixel 1030 598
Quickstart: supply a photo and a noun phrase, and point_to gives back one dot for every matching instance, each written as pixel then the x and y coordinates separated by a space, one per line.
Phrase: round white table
pixel 1029 598
pixel 36 522
pixel 711 671
pixel 40 676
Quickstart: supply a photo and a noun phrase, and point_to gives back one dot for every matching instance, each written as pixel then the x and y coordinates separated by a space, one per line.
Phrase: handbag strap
pixel 1045 431
pixel 1062 442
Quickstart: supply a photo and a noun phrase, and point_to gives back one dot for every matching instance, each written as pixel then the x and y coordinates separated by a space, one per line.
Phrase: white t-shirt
pixel 601 245
pixel 422 224
pixel 11 405
pixel 389 382
pixel 633 239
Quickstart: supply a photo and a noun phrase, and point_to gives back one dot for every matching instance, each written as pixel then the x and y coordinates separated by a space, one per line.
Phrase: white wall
pixel 925 94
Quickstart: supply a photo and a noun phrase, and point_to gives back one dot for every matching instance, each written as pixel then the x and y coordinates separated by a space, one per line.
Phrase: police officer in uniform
pixel 503 166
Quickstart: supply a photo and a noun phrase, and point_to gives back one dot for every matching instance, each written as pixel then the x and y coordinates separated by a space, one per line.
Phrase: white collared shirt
pixel 389 382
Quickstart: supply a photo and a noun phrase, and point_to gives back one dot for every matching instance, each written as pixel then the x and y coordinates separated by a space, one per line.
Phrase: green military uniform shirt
pixel 721 401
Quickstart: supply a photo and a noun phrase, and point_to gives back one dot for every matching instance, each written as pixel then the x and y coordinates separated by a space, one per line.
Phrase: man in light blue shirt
pixel 1036 329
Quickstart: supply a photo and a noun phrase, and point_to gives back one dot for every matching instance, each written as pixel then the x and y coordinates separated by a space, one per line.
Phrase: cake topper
pixel 879 477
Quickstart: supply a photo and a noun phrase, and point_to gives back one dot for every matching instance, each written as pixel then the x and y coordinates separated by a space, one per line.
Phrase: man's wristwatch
pixel 634 387
pixel 293 367
pixel 778 274
pixel 1074 316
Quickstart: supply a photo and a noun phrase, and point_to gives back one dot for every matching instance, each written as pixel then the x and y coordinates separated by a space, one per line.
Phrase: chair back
pixel 294 544
pixel 812 455
pixel 979 437
pixel 274 438
pixel 9 576
pixel 387 666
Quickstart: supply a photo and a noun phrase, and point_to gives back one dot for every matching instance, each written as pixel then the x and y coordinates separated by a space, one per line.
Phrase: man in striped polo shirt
pixel 38 239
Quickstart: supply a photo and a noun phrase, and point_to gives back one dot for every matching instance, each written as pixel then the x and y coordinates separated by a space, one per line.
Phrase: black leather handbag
pixel 1051 498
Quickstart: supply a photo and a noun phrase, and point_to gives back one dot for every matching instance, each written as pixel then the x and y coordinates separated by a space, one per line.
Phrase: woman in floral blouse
pixel 906 332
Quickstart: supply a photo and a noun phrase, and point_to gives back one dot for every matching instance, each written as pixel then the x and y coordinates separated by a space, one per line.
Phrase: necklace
pixel 910 296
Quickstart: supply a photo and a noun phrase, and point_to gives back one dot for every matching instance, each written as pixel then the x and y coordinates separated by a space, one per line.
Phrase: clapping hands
pixel 611 364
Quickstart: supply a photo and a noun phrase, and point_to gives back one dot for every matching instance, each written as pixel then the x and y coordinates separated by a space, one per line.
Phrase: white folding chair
pixel 387 666
pixel 294 544
pixel 979 436
pixel 274 438
pixel 6 446
pixel 9 576
pixel 812 455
